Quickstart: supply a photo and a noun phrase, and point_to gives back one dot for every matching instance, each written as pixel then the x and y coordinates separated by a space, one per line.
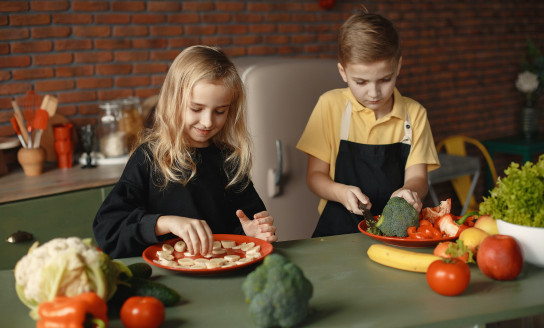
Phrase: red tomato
pixel 500 257
pixel 142 312
pixel 448 277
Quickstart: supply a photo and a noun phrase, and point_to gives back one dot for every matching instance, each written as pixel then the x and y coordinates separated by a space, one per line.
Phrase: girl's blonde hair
pixel 173 158
pixel 368 38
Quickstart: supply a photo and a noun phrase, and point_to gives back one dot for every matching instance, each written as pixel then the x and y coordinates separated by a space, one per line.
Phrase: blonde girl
pixel 189 177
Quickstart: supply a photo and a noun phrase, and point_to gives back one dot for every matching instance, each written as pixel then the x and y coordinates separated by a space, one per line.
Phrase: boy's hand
pixel 351 197
pixel 410 196
pixel 262 226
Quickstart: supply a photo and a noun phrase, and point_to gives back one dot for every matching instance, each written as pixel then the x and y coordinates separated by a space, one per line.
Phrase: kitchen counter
pixel 349 291
pixel 17 186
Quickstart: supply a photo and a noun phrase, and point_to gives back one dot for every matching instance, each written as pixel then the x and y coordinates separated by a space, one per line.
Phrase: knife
pixel 366 213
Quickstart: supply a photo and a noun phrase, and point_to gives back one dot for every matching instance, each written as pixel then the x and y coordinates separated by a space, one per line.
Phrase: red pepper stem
pixel 465 217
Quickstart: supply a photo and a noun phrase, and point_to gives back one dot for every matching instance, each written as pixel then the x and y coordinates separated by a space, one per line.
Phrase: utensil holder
pixel 31 159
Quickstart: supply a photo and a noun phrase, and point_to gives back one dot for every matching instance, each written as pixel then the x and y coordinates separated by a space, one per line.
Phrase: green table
pixel 516 145
pixel 349 291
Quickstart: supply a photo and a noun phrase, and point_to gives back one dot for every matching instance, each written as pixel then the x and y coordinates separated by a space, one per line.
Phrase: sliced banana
pixel 228 243
pixel 167 248
pixel 186 262
pixel 232 258
pixel 180 246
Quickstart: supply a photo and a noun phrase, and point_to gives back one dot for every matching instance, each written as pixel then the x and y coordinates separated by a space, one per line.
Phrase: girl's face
pixel 372 84
pixel 207 112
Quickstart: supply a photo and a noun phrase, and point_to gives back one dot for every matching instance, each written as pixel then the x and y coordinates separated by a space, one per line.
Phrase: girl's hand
pixel 410 196
pixel 195 233
pixel 351 197
pixel 262 226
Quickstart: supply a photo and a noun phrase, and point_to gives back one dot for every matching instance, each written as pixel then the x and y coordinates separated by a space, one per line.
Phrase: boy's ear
pixel 342 72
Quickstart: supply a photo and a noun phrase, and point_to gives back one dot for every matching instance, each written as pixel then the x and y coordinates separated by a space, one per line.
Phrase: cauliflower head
pixel 278 293
pixel 65 267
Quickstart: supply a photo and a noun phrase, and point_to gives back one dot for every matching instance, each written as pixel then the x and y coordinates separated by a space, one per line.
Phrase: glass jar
pixel 131 120
pixel 112 140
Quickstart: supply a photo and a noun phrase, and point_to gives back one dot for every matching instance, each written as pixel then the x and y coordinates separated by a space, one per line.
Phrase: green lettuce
pixel 518 197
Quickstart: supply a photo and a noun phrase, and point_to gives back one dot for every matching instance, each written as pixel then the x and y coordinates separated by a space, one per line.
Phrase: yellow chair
pixel 456 145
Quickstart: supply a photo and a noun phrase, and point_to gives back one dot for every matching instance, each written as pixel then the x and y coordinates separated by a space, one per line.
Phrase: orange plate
pixel 403 241
pixel 150 253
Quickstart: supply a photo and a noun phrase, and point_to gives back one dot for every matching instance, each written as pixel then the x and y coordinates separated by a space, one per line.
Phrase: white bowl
pixel 531 240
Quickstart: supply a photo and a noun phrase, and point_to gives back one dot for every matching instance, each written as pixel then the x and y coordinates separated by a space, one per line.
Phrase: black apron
pixel 377 169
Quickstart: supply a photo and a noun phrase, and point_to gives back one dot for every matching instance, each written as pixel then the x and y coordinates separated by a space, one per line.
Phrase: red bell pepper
pixel 81 311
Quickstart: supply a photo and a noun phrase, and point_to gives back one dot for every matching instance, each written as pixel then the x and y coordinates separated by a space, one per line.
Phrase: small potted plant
pixel 517 203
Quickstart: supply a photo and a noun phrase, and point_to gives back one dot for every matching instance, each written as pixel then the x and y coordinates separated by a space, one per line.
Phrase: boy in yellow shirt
pixel 366 143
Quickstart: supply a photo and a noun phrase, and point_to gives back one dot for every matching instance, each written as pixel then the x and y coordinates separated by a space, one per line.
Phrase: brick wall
pixel 460 57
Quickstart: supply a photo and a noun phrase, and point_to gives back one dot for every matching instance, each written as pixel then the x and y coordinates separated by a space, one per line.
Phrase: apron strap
pixel 346 121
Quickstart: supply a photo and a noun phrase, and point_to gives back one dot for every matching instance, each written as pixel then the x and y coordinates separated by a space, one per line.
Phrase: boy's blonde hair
pixel 173 157
pixel 368 38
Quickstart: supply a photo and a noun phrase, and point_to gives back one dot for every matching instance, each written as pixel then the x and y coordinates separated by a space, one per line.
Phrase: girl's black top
pixel 125 223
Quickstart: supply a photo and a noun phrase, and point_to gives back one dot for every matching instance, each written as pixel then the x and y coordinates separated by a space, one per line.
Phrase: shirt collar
pixel 398 111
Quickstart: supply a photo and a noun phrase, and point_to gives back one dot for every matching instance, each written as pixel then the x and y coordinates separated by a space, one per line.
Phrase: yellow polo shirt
pixel 321 137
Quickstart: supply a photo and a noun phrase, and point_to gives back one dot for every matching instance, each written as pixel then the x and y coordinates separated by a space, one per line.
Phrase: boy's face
pixel 372 84
pixel 207 112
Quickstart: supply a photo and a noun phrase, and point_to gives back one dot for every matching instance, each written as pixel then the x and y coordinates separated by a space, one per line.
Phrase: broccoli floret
pixel 278 293
pixel 397 216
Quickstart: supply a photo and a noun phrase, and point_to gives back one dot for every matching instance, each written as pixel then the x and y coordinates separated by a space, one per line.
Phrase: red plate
pixel 150 253
pixel 403 241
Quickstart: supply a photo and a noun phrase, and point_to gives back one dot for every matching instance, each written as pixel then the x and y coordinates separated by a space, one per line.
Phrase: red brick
pixel 66 110
pixel 113 69
pixel 31 46
pixel 260 50
pixel 50 32
pixel 216 40
pixel 128 5
pixel 49 5
pixel 216 18
pixel 145 93
pixel 13 6
pixel 94 6
pixel 293 6
pixel 158 79
pixel 104 95
pixel 72 19
pixel 247 18
pixel 148 43
pixel 183 18
pixel 69 71
pixel 33 73
pixel 290 28
pixel 94 83
pixel 197 6
pixel 69 44
pixel 14 88
pixel 128 31
pixel 290 50
pixel 5 75
pixel 247 39
pixel 112 19
pixel 29 19
pixel 167 6
pixel 149 68
pixel 52 59
pixel 124 56
pixel 4 48
pixel 165 30
pixel 303 38
pixel 265 7
pixel 277 17
pixel 112 44
pixel 183 42
pixel 14 34
pixel 232 29
pixel 15 61
pixel 164 55
pixel 276 39
pixel 88 109
pixel 132 81
pixel 93 57
pixel 92 31
pixel 148 18
pixel 230 6
pixel 76 97
pixel 4 20
pixel 262 28
pixel 53 85
pixel 200 30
